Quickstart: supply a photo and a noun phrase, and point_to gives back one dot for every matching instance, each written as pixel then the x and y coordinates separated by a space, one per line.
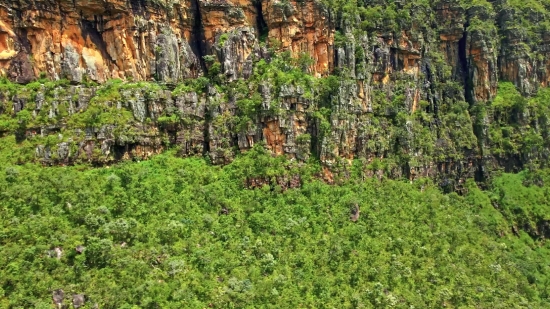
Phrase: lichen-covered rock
pixel 407 90
pixel 96 40
pixel 303 27
pixel 221 132
pixel 237 51
pixel 190 136
pixel 58 296
pixel 78 301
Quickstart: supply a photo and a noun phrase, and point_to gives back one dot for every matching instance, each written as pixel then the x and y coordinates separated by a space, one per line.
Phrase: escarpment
pixel 445 89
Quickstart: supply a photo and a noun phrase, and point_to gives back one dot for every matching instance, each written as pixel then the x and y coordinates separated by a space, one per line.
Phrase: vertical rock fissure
pixel 431 90
pixel 198 38
pixel 469 98
pixel 24 41
pixel 198 47
pixel 206 134
pixel 261 25
pixel 90 30
pixel 138 6
pixel 463 58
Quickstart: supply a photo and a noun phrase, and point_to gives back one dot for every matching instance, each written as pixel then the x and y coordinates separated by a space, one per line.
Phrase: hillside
pixel 274 153
pixel 180 233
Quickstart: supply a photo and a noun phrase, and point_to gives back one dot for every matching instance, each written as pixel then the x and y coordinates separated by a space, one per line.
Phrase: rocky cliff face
pixel 163 40
pixel 415 89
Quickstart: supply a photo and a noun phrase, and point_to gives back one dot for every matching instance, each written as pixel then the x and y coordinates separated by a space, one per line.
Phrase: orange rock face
pixel 274 137
pixel 164 40
pixel 97 40
pixel 403 89
pixel 303 27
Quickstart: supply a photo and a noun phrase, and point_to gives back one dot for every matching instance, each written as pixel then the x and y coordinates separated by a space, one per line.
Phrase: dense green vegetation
pixel 174 233
pixel 266 232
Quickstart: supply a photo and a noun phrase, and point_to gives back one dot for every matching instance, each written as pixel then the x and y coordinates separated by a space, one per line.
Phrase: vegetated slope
pixel 180 233
pixel 372 90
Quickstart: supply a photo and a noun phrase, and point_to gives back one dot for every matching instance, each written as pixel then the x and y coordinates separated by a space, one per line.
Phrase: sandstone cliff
pixel 407 89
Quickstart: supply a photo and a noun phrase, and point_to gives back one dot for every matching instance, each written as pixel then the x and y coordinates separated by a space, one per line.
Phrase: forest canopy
pixel 182 233
pixel 137 167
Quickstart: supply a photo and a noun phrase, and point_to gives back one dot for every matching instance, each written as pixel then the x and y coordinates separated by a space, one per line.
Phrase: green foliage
pixel 197 85
pixel 524 198
pixel 175 233
pixel 98 115
pixel 168 120
pixel 223 38
pixel 519 125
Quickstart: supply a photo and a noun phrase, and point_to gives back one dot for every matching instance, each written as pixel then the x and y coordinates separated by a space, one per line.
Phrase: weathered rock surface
pixel 58 296
pixel 78 300
pixel 141 40
pixel 412 97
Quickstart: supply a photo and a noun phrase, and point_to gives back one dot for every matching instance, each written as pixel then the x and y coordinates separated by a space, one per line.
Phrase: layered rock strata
pixel 411 97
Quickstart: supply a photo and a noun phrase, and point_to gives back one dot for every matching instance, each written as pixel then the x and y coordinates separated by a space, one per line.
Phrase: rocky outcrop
pixel 57 297
pixel 525 51
pixel 303 27
pixel 164 40
pixel 407 90
pixel 78 300
pixel 98 40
